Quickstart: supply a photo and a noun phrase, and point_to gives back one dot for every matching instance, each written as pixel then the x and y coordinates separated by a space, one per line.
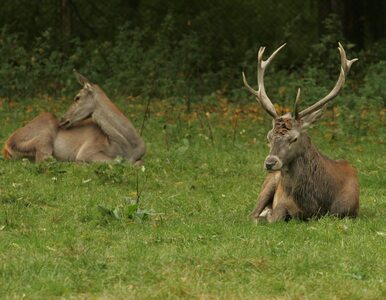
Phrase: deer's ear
pixel 88 87
pixel 308 120
pixel 81 79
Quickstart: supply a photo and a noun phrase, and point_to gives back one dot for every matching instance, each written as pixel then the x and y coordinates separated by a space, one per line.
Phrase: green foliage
pixel 117 172
pixel 373 87
pixel 178 71
pixel 174 54
pixel 323 55
pixel 41 69
pixel 50 167
pixel 129 210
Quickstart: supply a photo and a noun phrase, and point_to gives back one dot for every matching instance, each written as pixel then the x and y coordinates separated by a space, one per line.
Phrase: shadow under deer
pixel 302 182
pixel 92 129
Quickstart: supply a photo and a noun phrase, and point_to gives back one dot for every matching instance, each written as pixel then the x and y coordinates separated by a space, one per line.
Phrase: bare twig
pixel 166 137
pixel 207 116
pixel 138 192
pixel 145 116
pixel 235 123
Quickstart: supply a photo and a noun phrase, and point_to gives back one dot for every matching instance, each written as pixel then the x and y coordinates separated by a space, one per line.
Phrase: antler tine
pixel 268 61
pixel 344 69
pixel 296 107
pixel 249 88
pixel 260 94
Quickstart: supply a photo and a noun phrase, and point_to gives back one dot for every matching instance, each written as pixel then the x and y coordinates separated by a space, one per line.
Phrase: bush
pixel 185 64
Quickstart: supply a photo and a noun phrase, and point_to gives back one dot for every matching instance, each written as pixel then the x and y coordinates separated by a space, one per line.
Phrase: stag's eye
pixel 77 98
pixel 293 140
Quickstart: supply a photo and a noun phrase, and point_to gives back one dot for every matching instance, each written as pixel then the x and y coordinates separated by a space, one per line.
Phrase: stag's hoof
pixel 263 216
pixel 139 163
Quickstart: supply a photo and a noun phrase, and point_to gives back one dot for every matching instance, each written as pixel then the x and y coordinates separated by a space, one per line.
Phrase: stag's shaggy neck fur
pixel 306 178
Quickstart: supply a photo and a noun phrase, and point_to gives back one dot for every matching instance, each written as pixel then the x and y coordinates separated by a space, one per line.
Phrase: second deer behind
pixel 92 129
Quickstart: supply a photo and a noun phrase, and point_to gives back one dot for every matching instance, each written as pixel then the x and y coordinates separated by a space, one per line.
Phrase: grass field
pixel 69 230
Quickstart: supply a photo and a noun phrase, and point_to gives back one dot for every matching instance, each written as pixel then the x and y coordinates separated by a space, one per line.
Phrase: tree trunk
pixel 325 8
pixel 375 12
pixel 66 18
pixel 353 21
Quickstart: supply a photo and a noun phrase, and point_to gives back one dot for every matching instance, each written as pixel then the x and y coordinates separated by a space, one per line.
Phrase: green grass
pixel 200 243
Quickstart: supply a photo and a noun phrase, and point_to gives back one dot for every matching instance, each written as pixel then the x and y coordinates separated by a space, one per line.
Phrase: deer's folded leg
pixel 34 140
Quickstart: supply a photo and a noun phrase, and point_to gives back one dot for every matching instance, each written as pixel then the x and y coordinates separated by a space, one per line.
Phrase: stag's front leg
pixel 264 202
pixel 279 213
pixel 283 206
pixel 34 140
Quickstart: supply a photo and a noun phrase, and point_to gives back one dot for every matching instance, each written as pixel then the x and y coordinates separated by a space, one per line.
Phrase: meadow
pixel 179 226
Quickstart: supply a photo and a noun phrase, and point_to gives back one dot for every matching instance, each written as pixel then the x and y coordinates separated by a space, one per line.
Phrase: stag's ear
pixel 312 117
pixel 82 80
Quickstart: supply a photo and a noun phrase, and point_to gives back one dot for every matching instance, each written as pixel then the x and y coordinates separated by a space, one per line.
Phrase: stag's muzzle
pixel 272 163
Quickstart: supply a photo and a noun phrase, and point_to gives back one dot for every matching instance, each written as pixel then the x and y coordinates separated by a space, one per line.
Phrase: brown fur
pixel 308 184
pixel 95 130
pixel 282 125
pixel 304 183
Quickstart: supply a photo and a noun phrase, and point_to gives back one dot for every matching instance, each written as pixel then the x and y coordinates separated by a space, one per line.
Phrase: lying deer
pixel 93 129
pixel 302 182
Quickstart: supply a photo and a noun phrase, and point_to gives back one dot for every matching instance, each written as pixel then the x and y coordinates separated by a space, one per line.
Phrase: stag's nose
pixel 270 163
pixel 269 166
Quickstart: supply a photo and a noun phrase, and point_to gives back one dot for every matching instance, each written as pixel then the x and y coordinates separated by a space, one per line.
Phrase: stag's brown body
pixel 310 185
pixel 302 182
pixel 93 129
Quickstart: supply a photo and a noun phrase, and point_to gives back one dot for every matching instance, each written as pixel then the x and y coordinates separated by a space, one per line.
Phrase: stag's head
pixel 288 138
pixel 83 105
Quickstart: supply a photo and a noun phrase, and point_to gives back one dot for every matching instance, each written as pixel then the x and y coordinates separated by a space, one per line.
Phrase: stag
pixel 93 129
pixel 302 182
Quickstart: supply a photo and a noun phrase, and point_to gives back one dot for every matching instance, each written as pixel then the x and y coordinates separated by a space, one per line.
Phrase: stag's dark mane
pixel 306 178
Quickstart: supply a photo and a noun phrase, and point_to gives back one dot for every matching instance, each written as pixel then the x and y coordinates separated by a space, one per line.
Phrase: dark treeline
pixel 178 48
pixel 362 21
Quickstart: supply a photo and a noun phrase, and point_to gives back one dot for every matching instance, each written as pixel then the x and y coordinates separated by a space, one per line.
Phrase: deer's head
pixel 287 138
pixel 83 105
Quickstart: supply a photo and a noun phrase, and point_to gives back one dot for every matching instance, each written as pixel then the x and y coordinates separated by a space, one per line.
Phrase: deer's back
pixel 346 202
pixel 341 172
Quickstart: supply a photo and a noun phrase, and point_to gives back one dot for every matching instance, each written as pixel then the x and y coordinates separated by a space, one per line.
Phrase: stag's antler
pixel 345 67
pixel 260 94
pixel 296 104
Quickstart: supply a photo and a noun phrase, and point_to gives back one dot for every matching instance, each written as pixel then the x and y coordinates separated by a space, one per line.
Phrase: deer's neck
pixel 307 181
pixel 114 123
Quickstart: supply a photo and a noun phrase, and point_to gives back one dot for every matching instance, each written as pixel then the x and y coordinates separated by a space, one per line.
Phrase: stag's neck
pixel 114 123
pixel 308 164
pixel 307 181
